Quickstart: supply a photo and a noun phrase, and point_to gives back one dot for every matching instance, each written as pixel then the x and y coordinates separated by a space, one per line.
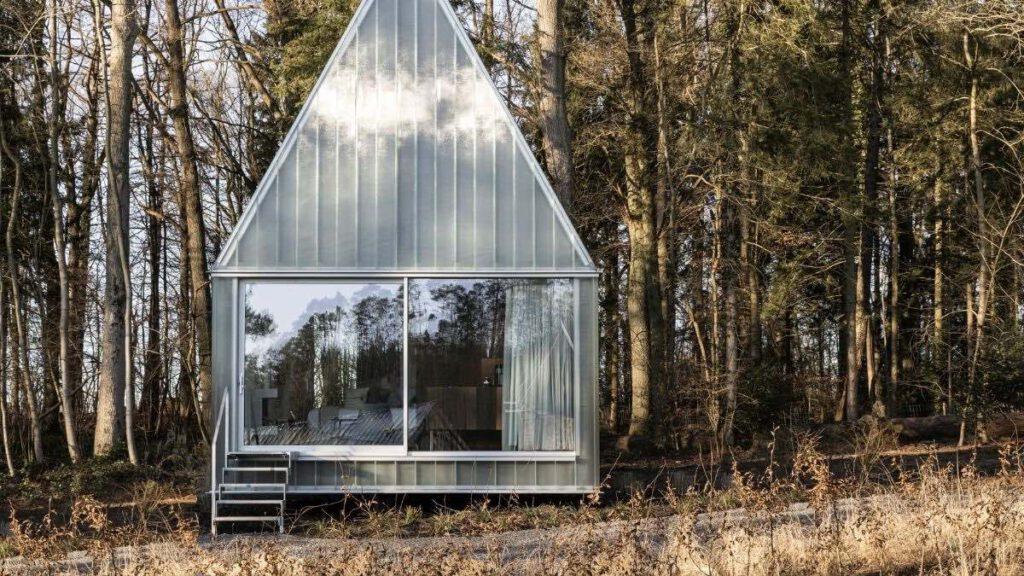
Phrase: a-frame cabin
pixel 404 305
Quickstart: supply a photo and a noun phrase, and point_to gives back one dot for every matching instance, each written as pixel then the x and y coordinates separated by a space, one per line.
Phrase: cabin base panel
pixel 427 490
pixel 322 476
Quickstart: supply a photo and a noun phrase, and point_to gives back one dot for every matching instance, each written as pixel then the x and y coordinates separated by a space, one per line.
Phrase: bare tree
pixel 190 199
pixel 67 407
pixel 110 404
pixel 21 360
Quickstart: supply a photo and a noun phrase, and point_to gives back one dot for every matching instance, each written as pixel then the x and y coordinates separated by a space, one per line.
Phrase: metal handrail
pixel 221 416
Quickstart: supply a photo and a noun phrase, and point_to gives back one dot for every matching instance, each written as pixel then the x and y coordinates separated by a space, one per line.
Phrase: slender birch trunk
pixel 938 304
pixel 5 372
pixel 610 336
pixel 57 204
pixel 981 314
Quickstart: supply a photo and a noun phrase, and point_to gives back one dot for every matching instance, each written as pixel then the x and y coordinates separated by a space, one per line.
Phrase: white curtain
pixel 537 385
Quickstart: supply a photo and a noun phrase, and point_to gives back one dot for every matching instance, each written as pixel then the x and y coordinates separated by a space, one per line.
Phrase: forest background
pixel 803 211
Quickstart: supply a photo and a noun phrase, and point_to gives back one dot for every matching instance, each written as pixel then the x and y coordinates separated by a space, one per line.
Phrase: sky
pixel 291 304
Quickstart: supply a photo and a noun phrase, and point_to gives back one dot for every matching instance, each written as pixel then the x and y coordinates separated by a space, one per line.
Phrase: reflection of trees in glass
pixel 378 329
pixel 460 325
pixel 258 324
pixel 470 319
pixel 461 322
pixel 332 353
pixel 333 362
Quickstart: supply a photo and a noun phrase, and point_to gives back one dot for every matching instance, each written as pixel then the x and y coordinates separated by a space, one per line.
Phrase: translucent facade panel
pixel 504 210
pixel 405 141
pixel 307 193
pixel 445 148
pixel 405 158
pixel 287 227
pixel 327 194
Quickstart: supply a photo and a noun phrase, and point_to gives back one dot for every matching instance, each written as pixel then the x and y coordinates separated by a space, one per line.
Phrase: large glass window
pixel 491 364
pixel 323 364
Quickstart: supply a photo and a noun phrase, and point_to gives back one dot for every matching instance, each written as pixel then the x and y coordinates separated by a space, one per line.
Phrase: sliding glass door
pixel 491 364
pixel 323 364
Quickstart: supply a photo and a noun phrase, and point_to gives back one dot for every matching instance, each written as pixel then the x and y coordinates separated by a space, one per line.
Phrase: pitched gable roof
pixel 404 158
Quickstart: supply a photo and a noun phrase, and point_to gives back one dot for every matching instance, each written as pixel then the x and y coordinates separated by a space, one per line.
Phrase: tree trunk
pixel 938 329
pixel 730 286
pixel 980 315
pixel 751 277
pixel 610 336
pixel 851 232
pixel 20 359
pixel 191 202
pixel 79 230
pixel 152 363
pixel 642 273
pixel 110 403
pixel 666 221
pixel 643 298
pixel 5 372
pixel 67 406
pixel 872 177
pixel 556 136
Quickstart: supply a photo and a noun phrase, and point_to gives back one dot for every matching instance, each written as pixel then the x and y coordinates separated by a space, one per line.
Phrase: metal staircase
pixel 253 488
pixel 250 487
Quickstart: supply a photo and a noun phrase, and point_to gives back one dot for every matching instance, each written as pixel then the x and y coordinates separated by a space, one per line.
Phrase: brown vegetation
pixel 807 211
pixel 943 521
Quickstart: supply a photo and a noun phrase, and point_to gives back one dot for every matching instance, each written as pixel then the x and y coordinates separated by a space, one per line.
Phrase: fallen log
pixel 997 427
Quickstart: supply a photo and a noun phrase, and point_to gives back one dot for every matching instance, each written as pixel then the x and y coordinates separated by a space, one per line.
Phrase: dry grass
pixel 941 522
pixel 368 518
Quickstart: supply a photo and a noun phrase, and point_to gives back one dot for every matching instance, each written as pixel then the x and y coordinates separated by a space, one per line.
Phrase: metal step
pixel 256 494
pixel 279 469
pixel 250 501
pixel 260 455
pixel 254 487
pixel 274 519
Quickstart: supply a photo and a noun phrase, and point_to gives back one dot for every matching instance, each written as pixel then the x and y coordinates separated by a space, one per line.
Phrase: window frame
pixel 397 451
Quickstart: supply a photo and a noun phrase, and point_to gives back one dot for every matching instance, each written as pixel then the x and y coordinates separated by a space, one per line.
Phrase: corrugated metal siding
pixel 223 310
pixel 405 159
pixel 395 475
pixel 223 367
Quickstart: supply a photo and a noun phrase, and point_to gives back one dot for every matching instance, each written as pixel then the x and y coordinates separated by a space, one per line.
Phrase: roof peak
pixel 404 157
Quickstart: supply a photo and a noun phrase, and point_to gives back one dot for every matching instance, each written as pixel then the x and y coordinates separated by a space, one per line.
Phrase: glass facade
pixel 491 364
pixel 323 364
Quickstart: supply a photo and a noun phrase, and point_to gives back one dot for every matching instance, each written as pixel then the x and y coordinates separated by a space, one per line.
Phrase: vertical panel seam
pixel 494 194
pixel 316 198
pixel 376 142
pixel 416 137
pixel 356 165
pixel 437 105
pixel 398 128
